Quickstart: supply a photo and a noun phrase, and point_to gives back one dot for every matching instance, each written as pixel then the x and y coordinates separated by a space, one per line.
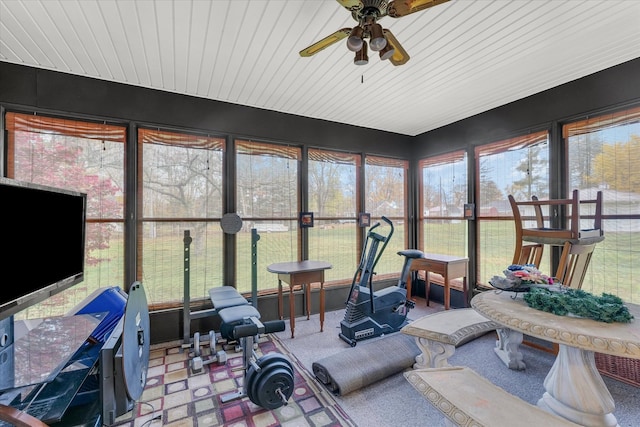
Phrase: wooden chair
pixel 545 231
pixel 577 243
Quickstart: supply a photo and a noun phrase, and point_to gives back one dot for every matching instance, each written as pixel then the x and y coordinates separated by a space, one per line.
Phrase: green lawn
pixel 614 266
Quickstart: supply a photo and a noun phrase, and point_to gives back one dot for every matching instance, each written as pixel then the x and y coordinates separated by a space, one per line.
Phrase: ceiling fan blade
pixel 400 56
pixel 398 8
pixel 325 42
pixel 351 5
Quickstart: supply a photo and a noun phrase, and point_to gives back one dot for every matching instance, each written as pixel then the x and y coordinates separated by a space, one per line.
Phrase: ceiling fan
pixel 367 13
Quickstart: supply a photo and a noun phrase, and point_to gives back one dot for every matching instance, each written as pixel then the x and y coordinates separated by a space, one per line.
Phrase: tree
pixel 180 181
pixel 61 162
pixel 534 168
pixel 583 149
pixel 385 190
pixel 324 188
pixel 267 186
pixel 618 165
pixel 489 190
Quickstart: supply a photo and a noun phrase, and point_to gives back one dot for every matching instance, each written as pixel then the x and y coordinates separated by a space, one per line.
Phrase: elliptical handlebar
pixel 377 224
pixel 369 258
pixel 384 239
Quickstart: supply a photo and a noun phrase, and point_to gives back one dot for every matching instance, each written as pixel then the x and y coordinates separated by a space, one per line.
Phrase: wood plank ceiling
pixel 466 56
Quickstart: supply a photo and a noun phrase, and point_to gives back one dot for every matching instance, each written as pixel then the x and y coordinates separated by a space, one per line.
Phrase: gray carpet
pixel 394 402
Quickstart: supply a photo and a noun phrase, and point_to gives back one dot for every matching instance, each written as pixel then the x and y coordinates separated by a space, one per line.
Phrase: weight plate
pixel 212 341
pixel 251 388
pixel 231 223
pixel 251 373
pixel 135 341
pixel 279 379
pixel 266 371
pixel 267 358
pixel 266 362
pixel 196 344
pixel 249 379
pixel 268 366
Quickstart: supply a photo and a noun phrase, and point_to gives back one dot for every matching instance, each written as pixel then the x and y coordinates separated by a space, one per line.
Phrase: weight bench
pixel 233 309
pixel 226 296
pixel 227 303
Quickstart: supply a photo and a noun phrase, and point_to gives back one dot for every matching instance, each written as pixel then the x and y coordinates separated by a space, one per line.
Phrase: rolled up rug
pixel 366 363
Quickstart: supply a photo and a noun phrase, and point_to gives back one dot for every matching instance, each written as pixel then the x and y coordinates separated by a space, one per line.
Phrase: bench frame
pixel 438 334
pixel 466 398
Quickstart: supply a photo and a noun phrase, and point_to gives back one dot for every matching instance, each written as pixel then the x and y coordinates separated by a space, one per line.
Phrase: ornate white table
pixel 574 388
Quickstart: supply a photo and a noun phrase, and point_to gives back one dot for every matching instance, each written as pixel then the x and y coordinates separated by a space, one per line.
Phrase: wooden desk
pixel 302 273
pixel 449 267
pixel 573 387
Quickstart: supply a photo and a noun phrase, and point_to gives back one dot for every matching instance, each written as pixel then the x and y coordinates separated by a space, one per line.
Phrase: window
pixel 386 194
pixel 181 182
pixel 333 197
pixel 267 197
pixel 517 166
pixel 443 193
pixel 603 153
pixel 80 156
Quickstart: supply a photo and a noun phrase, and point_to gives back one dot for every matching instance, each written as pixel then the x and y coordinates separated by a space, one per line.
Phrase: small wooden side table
pixel 302 273
pixel 449 267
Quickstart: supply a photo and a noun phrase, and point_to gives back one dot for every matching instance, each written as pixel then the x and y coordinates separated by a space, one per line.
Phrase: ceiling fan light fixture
pixel 355 41
pixel 387 52
pixel 378 41
pixel 361 55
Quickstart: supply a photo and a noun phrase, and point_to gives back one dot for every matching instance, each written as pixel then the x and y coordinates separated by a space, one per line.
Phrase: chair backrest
pixel 573 264
pixel 530 255
pixel 545 210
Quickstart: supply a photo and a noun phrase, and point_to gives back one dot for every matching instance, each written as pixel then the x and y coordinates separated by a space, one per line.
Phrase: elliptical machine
pixel 370 314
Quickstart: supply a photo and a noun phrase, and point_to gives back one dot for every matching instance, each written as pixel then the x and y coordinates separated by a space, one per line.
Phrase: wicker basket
pixel 620 368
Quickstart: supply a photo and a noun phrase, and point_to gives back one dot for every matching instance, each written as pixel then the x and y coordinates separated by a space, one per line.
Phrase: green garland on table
pixel 606 308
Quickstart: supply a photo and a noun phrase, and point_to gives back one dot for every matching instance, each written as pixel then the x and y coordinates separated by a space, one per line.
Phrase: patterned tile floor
pixel 178 397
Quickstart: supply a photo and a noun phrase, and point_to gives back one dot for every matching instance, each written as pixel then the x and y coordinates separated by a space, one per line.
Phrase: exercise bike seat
pixel 411 253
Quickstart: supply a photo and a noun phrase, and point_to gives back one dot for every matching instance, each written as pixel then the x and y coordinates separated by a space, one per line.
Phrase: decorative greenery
pixel 606 308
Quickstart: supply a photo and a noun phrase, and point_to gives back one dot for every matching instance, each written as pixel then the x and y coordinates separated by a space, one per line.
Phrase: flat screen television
pixel 43 241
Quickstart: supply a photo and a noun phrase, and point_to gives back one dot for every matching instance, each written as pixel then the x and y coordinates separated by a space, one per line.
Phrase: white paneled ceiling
pixel 467 56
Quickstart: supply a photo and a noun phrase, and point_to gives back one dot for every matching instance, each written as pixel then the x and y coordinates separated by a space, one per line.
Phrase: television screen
pixel 43 242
